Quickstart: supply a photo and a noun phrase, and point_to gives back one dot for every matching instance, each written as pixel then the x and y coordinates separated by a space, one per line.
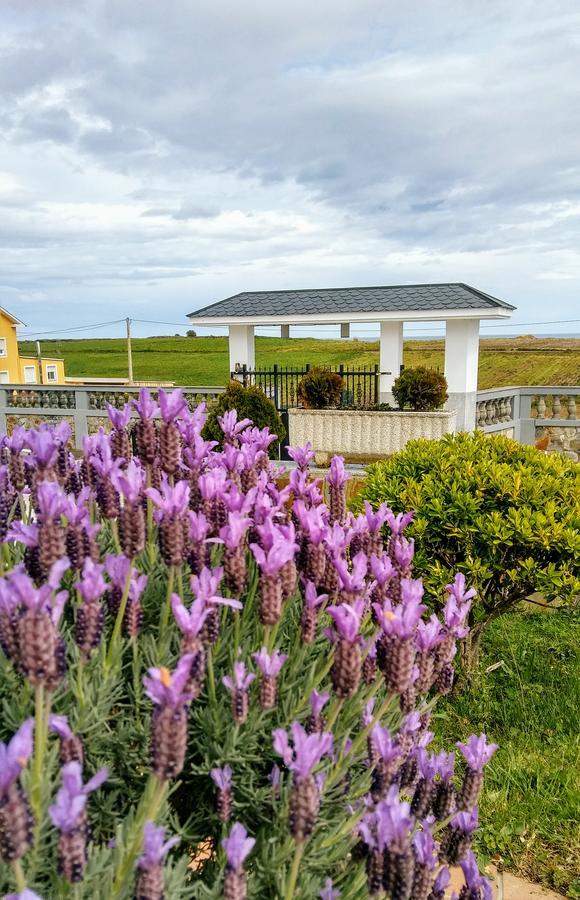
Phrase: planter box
pixel 363 433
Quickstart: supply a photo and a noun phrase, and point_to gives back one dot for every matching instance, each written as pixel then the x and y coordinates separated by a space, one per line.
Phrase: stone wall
pixel 561 439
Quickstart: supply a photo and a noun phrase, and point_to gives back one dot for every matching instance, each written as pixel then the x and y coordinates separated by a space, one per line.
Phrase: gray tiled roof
pixel 390 298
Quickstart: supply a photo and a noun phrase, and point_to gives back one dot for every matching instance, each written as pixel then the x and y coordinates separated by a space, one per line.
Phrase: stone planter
pixel 361 433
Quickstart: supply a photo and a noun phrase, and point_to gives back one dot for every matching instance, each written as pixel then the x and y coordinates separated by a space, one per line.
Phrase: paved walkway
pixel 508 887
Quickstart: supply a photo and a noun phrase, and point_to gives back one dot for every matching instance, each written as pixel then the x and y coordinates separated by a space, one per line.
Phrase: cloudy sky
pixel 157 156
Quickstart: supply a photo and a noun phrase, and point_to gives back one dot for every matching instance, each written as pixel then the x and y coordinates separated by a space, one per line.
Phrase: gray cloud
pixel 270 145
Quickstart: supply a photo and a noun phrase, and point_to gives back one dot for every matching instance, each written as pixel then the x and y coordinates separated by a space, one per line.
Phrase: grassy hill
pixel 204 360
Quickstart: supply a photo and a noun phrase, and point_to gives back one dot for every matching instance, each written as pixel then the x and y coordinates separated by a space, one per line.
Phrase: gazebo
pixel 460 306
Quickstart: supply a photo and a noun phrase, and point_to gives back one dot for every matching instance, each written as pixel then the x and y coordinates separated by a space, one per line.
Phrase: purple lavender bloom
pixel 347 619
pixel 442 881
pixel 465 821
pixel 117 568
pixel 269 665
pixel 52 501
pixel 302 456
pixel 237 846
pixel 205 586
pixel 457 589
pixel 234 532
pixel 198 527
pixel 17 440
pixel 119 418
pixel 367 716
pixel 274 777
pixel 230 426
pixel 172 405
pixel 387 748
pixel 213 484
pixel 477 751
pixel 26 894
pixel 403 552
pixel 308 749
pixel 145 405
pixel 72 797
pixel 428 634
pixel 278 555
pixel 15 754
pixel 382 569
pixel 397 524
pixel 445 765
pixel 400 622
pixel 222 778
pixel 427 764
pixel 411 723
pixel 311 598
pixel 92 585
pixel 394 821
pixel 259 438
pixel 190 621
pixel 137 586
pixel 130 481
pixel 455 614
pixel 240 681
pixel 311 521
pixel 19 533
pixel 166 689
pixel 338 539
pixel 376 520
pixel 474 880
pixel 154 849
pixel 317 702
pixel 338 476
pixel 59 725
pixel 172 501
pixel 43 446
pixel 353 582
pixel 328 892
pixel 41 599
pixel 424 846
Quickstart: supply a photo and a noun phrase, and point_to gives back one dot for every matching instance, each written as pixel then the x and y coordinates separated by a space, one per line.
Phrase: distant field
pixel 204 360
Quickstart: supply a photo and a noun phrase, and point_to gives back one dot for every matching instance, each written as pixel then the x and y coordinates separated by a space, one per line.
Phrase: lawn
pixel 204 360
pixel 529 705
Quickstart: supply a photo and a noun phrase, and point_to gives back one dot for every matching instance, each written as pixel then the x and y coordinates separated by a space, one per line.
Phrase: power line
pixel 76 328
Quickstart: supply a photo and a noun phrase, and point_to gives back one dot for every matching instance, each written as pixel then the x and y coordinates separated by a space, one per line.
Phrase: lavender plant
pixel 213 686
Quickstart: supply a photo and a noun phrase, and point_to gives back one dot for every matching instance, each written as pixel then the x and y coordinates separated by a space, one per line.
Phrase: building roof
pixel 352 304
pixel 13 319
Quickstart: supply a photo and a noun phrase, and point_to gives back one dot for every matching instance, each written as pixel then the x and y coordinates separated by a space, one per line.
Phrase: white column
pixel 242 352
pixel 390 357
pixel 461 359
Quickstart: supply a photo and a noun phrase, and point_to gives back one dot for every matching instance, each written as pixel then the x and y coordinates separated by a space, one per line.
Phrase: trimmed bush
pixel 421 389
pixel 250 403
pixel 504 514
pixel 320 389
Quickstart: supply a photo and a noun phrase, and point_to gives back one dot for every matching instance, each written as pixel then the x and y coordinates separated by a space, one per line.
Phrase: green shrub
pixel 251 403
pixel 420 389
pixel 320 389
pixel 504 514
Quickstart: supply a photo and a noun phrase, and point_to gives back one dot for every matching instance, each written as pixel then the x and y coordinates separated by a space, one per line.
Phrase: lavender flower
pixel 130 483
pixel 312 600
pixel 336 480
pixel 15 815
pixel 68 814
pixel 346 666
pixel 169 723
pixel 90 614
pixel 478 887
pixel 41 649
pixel 477 752
pixel 237 848
pixel 222 778
pixel 150 863
pixel 302 456
pixel 172 503
pixel 269 666
pixel 270 563
pixel 317 703
pixel 307 752
pixel 71 746
pixel 230 426
pixel 238 686
pixel 328 892
pixel 458 835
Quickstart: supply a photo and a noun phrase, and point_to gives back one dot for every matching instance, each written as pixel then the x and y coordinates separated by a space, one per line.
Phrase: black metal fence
pixel 361 386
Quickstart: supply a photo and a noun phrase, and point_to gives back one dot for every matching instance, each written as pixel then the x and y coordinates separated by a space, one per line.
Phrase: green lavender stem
pixel 119 620
pixel 19 878
pixel 293 878
pixel 149 807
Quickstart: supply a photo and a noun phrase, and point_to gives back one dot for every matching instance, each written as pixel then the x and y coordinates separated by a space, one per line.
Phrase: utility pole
pixel 39 358
pixel 129 353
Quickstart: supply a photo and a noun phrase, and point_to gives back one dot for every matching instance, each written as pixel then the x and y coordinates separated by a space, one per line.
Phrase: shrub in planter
pixel 250 403
pixel 504 514
pixel 320 389
pixel 420 389
pixel 223 689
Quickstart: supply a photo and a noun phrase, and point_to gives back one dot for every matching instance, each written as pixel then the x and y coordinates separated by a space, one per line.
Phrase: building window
pixel 4 377
pixel 51 373
pixel 29 374
pixel 3 346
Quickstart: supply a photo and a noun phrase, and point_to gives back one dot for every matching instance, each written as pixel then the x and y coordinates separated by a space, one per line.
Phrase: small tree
pixel 502 513
pixel 250 403
pixel 191 333
pixel 420 389
pixel 320 389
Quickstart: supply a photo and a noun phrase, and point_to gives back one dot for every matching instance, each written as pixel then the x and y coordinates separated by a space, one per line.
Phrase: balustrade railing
pixel 522 411
pixel 84 408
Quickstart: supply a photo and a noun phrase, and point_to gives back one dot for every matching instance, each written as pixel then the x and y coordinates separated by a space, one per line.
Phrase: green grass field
pixel 529 706
pixel 204 360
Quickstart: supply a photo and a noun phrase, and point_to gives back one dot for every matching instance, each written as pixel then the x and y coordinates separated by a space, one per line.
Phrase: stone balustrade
pixel 525 412
pixel 84 408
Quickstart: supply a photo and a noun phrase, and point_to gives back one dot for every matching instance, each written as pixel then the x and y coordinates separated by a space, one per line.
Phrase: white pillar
pixel 461 359
pixel 390 357
pixel 285 332
pixel 242 352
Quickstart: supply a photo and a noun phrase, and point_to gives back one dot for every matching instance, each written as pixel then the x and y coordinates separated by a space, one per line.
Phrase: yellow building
pixel 16 369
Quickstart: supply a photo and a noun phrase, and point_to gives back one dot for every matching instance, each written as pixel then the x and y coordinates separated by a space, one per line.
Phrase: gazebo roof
pixel 408 301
